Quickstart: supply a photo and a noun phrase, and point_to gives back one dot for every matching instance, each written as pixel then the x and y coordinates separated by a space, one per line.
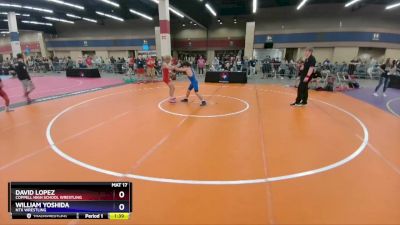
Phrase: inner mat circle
pixel 217 106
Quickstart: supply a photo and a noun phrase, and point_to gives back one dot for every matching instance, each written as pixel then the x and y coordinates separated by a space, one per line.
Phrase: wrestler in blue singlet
pixel 194 84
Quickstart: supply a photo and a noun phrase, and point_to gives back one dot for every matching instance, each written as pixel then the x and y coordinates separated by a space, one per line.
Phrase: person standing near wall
pixel 89 62
pixel 150 64
pixel 252 64
pixel 215 63
pixel 140 63
pixel 305 77
pixel 384 79
pixel 131 63
pixel 70 63
pixel 201 63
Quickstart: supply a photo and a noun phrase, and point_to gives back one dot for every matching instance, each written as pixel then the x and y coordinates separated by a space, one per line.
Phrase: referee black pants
pixel 302 93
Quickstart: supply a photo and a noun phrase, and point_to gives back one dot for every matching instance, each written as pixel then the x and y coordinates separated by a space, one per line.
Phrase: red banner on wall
pixel 33 46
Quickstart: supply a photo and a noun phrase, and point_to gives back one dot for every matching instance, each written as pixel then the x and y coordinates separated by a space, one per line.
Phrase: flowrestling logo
pixel 224 77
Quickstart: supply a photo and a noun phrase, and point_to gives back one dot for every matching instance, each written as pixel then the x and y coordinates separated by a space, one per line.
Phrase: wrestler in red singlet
pixel 4 95
pixel 166 71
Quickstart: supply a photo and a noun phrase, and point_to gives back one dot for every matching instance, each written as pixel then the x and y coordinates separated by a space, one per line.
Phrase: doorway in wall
pixel 89 53
pixel 291 54
pixel 131 53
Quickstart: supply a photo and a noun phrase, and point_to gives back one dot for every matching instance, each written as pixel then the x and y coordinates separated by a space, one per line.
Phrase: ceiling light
pixel 38 9
pixel 26 7
pixel 110 3
pixel 82 18
pixel 254 6
pixel 90 20
pixel 176 12
pixel 17 14
pixel 393 6
pixel 67 4
pixel 73 16
pixel 58 20
pixel 11 5
pixel 351 3
pixel 302 3
pixel 171 9
pixel 211 9
pixel 110 16
pixel 36 23
pixel 140 14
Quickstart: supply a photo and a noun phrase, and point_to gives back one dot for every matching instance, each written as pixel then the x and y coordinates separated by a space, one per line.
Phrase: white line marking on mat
pixel 376 151
pixel 390 108
pixel 247 106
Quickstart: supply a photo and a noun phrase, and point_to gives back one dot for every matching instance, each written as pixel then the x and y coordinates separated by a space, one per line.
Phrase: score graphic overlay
pixel 93 200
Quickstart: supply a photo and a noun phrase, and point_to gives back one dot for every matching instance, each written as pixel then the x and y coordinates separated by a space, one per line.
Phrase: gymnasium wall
pixel 392 53
pixel 321 53
pixel 111 29
pixel 215 31
pixel 344 54
pixel 326 18
pixel 113 38
pixel 217 37
pixel 336 33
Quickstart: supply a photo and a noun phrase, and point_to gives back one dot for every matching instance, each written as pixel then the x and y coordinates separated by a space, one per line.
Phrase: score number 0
pixel 121 195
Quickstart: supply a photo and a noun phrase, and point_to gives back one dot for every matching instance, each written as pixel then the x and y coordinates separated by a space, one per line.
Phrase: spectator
pixel 239 64
pixel 98 62
pixel 201 63
pixel 89 62
pixel 70 63
pixel 252 64
pixel 131 63
pixel 140 63
pixel 151 71
pixel 112 60
pixel 384 79
pixel 215 64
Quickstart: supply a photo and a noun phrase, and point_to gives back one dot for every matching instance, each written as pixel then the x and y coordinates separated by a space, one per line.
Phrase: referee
pixel 23 75
pixel 306 73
